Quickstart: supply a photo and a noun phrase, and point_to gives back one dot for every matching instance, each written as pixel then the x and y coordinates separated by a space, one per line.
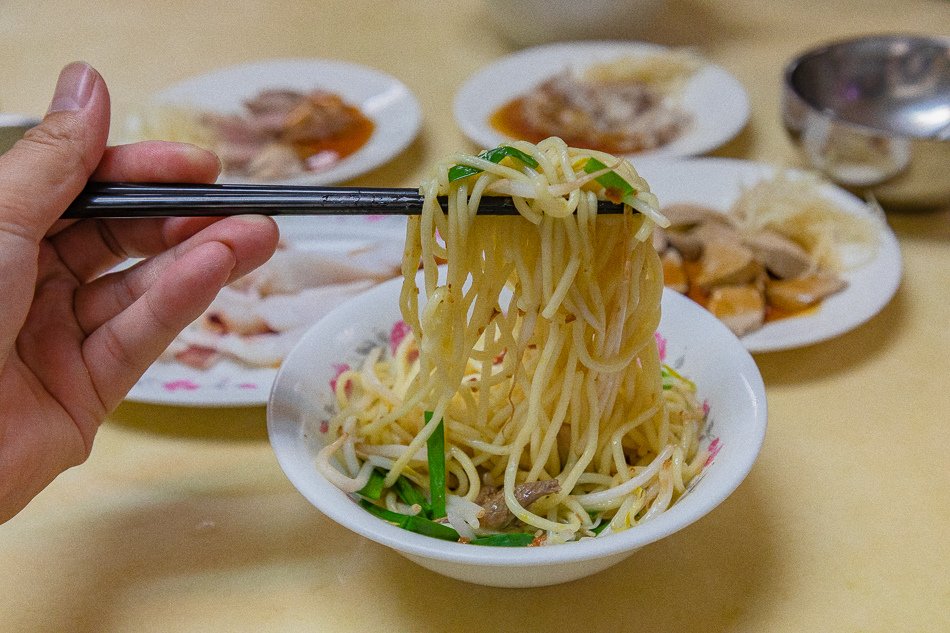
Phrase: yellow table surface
pixel 181 520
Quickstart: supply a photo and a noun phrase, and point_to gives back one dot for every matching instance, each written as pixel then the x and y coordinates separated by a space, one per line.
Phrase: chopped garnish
pixel 600 526
pixel 374 487
pixel 412 496
pixel 382 513
pixel 435 448
pixel 514 539
pixel 417 524
pixel 495 155
pixel 669 374
pixel 617 187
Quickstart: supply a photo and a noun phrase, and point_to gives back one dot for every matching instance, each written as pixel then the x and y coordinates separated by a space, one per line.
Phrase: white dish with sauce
pixel 715 100
pixel 717 182
pixel 385 100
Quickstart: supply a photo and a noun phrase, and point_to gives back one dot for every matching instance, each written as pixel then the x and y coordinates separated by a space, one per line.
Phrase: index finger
pixel 157 161
pixel 92 246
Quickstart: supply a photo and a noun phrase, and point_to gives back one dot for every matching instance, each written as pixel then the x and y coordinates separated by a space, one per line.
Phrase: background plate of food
pixel 625 98
pixel 783 258
pixel 230 355
pixel 293 121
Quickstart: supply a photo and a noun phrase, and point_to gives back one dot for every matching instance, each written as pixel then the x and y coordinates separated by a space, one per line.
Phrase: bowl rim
pixel 800 58
pixel 339 506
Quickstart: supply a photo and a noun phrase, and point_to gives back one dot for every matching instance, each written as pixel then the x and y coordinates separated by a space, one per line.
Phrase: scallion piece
pixel 412 523
pixel 382 513
pixel 495 155
pixel 410 495
pixel 374 487
pixel 611 180
pixel 600 527
pixel 435 449
pixel 421 525
pixel 515 539
pixel 668 372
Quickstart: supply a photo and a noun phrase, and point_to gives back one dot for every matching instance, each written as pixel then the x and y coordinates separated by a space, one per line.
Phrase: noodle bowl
pixel 534 354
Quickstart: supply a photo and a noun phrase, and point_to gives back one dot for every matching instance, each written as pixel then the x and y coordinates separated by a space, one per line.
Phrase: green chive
pixel 495 155
pixel 421 525
pixel 417 524
pixel 600 527
pixel 435 448
pixel 410 495
pixel 668 372
pixel 382 513
pixel 610 180
pixel 374 487
pixel 515 539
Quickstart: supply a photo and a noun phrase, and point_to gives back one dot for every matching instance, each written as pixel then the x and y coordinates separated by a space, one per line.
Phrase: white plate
pixel 696 344
pixel 715 99
pixel 717 182
pixel 231 384
pixel 381 97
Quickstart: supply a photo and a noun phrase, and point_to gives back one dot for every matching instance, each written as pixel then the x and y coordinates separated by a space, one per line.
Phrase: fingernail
pixel 74 88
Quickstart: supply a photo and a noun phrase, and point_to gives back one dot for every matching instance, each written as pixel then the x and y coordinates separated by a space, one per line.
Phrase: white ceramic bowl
pixel 697 344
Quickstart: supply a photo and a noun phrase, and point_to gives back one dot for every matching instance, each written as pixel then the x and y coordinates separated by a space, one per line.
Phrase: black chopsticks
pixel 134 200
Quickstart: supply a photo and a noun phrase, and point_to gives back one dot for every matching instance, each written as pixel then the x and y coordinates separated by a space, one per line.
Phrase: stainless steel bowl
pixel 873 114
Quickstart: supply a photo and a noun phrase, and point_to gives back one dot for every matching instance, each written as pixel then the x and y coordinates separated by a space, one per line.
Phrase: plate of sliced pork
pixel 229 356
pixel 289 121
pixel 783 258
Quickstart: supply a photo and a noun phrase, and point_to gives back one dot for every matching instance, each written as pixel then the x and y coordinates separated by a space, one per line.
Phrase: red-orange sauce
pixel 344 143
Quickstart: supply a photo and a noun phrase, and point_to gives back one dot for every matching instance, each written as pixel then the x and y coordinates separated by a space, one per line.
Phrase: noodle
pixel 537 350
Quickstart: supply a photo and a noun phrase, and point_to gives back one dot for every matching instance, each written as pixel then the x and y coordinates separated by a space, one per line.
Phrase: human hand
pixel 73 340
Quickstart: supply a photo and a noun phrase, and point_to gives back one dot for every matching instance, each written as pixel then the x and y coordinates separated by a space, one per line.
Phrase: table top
pixel 182 520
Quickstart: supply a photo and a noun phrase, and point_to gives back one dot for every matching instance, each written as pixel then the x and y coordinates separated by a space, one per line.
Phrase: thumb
pixel 49 166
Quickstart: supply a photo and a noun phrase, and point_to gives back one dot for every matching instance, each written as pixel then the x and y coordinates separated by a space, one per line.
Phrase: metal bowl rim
pixel 831 114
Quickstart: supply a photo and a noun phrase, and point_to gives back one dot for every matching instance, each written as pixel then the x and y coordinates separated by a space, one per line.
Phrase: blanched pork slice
pixel 726 264
pixel 198 357
pixel 288 312
pixel 783 257
pixel 741 308
pixel 190 355
pixel 174 348
pixel 497 515
pixel 234 311
pixel 258 350
pixel 794 295
pixel 245 313
pixel 293 270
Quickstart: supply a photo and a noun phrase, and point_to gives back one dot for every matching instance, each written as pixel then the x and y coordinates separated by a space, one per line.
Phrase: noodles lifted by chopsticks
pixel 535 352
